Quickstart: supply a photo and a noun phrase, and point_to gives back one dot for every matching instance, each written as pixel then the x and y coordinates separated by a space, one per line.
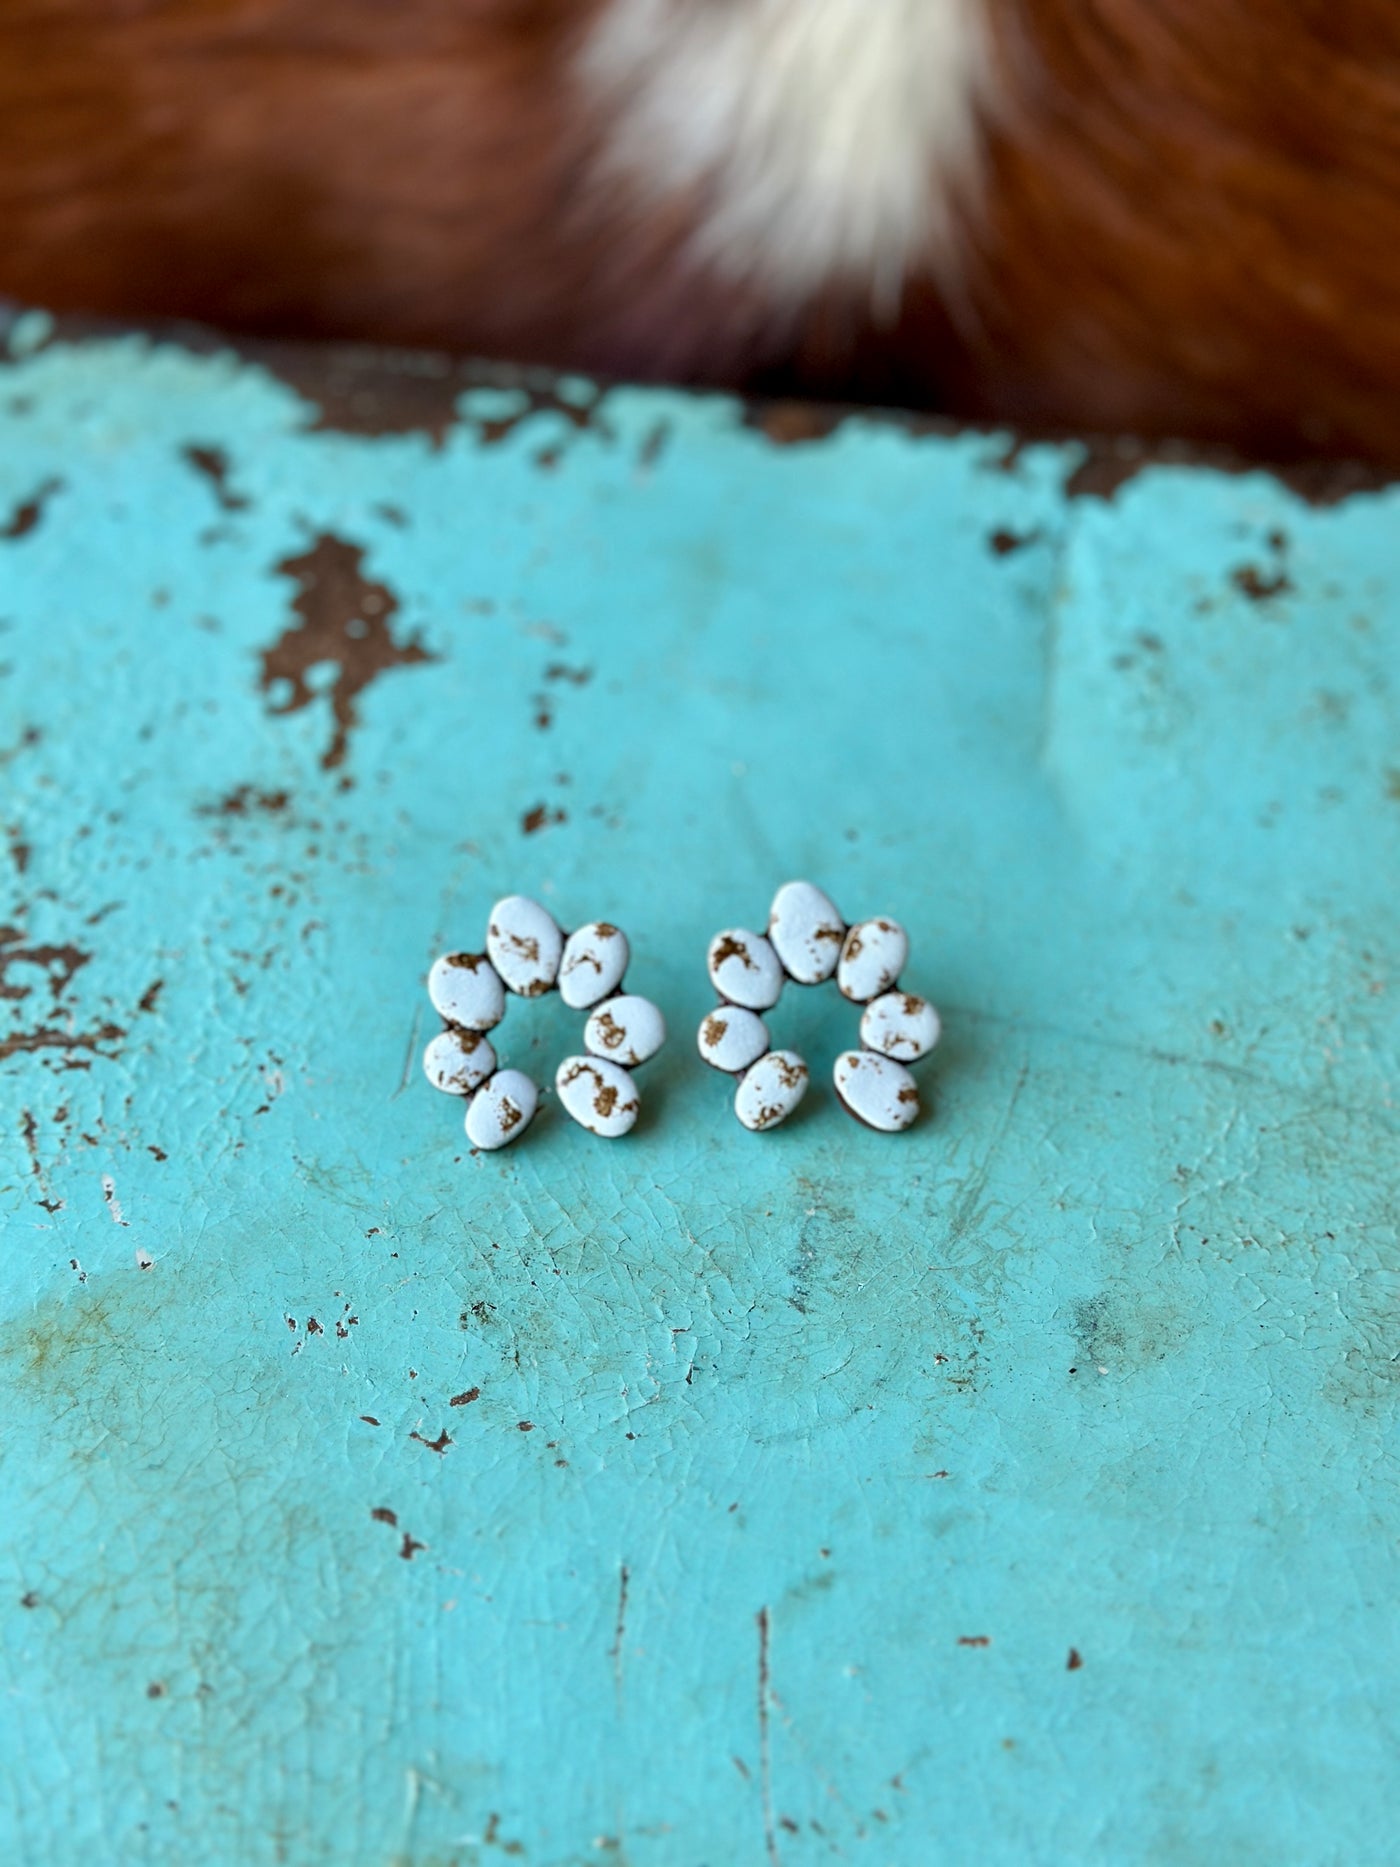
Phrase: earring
pixel 807 942
pixel 528 954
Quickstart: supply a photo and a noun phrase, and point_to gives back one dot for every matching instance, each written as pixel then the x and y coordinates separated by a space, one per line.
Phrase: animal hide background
pixel 1165 216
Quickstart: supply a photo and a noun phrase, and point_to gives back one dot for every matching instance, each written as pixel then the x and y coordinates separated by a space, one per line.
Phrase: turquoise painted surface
pixel 800 1466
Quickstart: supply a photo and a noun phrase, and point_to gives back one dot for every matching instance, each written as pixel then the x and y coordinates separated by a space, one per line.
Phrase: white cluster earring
pixel 528 954
pixel 807 942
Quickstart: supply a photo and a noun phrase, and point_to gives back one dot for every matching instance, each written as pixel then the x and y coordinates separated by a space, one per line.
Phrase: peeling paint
pixel 213 463
pixel 28 512
pixel 343 619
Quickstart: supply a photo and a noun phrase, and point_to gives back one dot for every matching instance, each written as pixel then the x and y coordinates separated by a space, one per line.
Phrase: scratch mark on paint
pixel 765 1742
pixel 619 1631
pixel 413 1789
pixel 29 1128
pixel 410 1051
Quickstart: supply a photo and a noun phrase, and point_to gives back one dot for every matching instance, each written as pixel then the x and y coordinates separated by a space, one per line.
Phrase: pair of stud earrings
pixel 528 954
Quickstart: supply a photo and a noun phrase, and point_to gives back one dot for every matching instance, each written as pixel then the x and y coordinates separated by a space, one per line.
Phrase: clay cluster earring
pixel 808 942
pixel 527 954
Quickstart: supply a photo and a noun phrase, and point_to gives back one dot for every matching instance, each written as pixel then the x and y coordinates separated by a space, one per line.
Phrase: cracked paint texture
pixel 1021 1489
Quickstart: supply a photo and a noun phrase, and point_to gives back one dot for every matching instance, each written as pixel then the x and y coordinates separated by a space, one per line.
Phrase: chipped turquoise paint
pixel 838 1444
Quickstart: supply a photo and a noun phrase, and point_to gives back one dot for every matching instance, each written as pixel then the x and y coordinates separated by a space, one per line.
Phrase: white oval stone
pixel 877 1090
pixel 595 958
pixel 871 960
pixel 502 1109
pixel 458 1061
pixel 525 944
pixel 771 1089
pixel 900 1024
pixel 466 989
pixel 626 1030
pixel 600 1096
pixel 745 969
pixel 731 1038
pixel 806 931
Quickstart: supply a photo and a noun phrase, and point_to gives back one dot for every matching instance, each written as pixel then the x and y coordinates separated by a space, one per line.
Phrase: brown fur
pixel 1189 223
pixel 399 172
pixel 1193 222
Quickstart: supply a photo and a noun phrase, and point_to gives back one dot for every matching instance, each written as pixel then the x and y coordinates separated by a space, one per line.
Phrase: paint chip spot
pixel 341 642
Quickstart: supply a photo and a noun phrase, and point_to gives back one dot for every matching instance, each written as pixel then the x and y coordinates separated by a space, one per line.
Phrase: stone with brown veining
pixel 872 959
pixel 806 932
pixel 876 1090
pixel 594 960
pixel 466 989
pixel 458 1061
pixel 771 1089
pixel 501 1110
pixel 744 968
pixel 731 1038
pixel 525 945
pixel 900 1025
pixel 600 1096
pixel 626 1030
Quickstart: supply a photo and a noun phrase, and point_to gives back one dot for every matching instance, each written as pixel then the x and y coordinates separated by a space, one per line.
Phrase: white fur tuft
pixel 820 140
